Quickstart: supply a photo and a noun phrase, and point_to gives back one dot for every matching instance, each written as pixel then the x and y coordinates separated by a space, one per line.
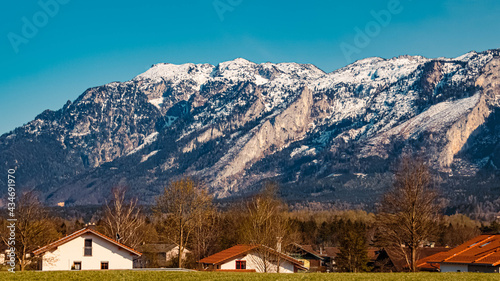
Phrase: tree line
pixel 408 216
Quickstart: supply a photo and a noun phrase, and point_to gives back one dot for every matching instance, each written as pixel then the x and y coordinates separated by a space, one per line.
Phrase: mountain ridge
pixel 238 123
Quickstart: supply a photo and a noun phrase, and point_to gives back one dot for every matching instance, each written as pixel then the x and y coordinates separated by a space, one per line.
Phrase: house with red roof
pixel 86 249
pixel 252 258
pixel 480 254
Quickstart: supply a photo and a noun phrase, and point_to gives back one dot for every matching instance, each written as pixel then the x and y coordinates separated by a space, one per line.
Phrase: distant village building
pixel 86 249
pixel 249 258
pixel 322 259
pixel 330 256
pixel 158 255
pixel 312 260
pixel 481 254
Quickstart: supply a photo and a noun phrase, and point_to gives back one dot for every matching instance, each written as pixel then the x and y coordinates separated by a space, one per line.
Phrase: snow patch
pixel 303 151
pixel 156 102
pixel 146 157
pixel 147 141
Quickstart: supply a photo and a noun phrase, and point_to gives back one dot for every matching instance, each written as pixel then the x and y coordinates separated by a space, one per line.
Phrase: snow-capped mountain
pixel 323 136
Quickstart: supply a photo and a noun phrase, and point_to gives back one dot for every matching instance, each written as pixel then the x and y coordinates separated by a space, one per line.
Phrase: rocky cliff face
pixel 238 123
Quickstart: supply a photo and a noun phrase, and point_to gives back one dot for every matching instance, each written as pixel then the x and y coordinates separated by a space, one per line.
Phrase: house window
pixel 77 265
pixel 104 265
pixel 88 247
pixel 241 265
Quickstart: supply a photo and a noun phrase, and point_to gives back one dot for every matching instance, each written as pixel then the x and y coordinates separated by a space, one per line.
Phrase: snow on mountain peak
pixel 466 56
pixel 374 69
pixel 168 71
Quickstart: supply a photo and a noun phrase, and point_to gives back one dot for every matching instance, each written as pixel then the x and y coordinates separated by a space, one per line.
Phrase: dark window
pixel 77 265
pixel 88 247
pixel 88 242
pixel 104 265
pixel 241 265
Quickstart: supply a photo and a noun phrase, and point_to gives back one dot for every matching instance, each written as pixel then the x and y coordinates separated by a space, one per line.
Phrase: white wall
pixel 253 261
pixel 102 251
pixel 450 267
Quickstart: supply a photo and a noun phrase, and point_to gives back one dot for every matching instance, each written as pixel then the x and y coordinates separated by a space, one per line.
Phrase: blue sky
pixel 80 44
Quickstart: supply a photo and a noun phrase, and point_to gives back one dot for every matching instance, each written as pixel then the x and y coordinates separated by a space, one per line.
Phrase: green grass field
pixel 165 275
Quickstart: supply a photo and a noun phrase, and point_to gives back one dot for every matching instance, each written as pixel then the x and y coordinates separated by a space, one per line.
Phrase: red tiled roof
pixel 239 250
pixel 484 249
pixel 228 254
pixel 429 254
pixel 78 234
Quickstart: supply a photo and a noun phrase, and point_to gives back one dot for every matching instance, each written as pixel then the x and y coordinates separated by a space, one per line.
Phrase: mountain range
pixel 330 138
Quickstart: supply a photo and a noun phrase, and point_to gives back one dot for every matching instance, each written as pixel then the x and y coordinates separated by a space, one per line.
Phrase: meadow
pixel 230 276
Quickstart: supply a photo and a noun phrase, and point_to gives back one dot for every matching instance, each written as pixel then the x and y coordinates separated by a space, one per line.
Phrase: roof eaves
pixel 78 233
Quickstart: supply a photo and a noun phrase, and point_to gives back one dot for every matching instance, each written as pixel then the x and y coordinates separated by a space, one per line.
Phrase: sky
pixel 51 51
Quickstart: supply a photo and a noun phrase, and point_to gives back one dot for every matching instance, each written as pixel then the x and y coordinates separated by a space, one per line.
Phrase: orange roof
pixel 239 250
pixel 227 254
pixel 484 249
pixel 78 234
pixel 429 255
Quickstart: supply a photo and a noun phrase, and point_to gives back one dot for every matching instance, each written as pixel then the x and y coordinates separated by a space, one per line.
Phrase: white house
pixel 251 258
pixel 86 249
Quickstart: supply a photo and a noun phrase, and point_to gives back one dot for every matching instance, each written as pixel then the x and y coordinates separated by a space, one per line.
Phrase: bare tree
pixel 266 224
pixel 180 208
pixel 34 229
pixel 206 232
pixel 123 219
pixel 408 212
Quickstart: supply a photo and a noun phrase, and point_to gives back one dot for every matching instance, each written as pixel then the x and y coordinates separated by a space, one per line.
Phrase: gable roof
pixel 309 249
pixel 484 250
pixel 424 264
pixel 332 252
pixel 239 250
pixel 78 233
pixel 156 248
pixel 227 254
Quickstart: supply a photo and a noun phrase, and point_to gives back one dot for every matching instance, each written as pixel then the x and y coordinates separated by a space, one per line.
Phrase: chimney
pixel 278 244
